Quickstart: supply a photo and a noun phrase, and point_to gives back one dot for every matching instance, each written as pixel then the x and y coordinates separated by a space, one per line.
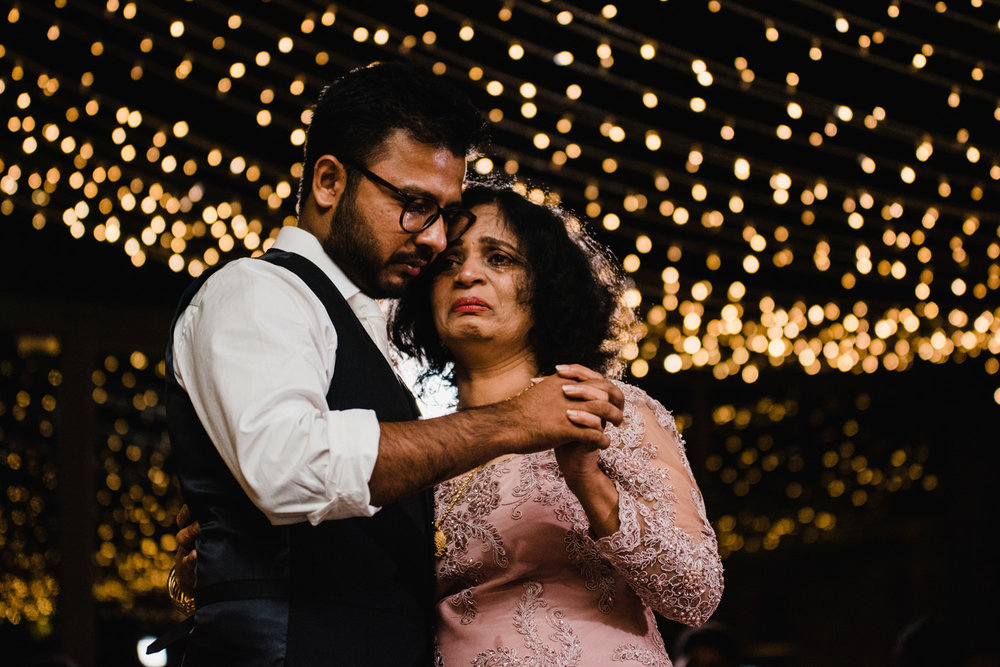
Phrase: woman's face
pixel 481 290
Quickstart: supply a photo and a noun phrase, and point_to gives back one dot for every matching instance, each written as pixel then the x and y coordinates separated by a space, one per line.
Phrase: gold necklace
pixel 440 541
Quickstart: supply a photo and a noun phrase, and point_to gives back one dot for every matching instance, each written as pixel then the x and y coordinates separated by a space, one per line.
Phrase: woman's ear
pixel 329 181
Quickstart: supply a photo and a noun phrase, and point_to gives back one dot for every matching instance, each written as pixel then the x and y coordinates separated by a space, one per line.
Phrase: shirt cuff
pixel 354 438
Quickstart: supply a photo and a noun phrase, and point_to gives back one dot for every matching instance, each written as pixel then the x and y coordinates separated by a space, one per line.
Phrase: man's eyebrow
pixel 418 191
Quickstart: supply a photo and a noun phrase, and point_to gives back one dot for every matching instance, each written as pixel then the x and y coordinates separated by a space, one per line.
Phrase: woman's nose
pixel 470 271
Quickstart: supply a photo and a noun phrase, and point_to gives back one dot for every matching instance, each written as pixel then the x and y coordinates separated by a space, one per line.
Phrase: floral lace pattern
pixel 523 582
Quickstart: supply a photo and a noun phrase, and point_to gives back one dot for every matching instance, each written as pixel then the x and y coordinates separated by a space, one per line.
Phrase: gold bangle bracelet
pixel 181 600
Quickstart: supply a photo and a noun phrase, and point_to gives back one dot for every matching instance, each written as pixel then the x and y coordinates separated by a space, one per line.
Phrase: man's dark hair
pixel 574 291
pixel 354 115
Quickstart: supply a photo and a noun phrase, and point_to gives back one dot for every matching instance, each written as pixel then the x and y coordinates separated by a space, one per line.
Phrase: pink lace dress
pixel 523 582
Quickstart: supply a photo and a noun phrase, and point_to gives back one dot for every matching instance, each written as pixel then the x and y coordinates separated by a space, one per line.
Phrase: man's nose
pixel 434 237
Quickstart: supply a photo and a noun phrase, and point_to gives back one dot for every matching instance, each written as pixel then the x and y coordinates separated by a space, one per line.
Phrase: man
pixel 298 448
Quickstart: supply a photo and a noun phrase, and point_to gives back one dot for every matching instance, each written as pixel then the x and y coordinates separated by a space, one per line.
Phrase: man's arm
pixel 255 352
pixel 415 455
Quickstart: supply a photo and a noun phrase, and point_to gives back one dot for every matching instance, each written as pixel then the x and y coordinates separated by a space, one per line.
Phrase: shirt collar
pixel 301 242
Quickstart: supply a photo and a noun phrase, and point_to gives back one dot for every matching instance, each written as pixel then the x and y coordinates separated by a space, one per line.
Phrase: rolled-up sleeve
pixel 255 351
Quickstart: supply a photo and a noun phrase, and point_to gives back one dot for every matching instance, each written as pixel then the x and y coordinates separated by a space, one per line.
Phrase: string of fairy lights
pixel 767 221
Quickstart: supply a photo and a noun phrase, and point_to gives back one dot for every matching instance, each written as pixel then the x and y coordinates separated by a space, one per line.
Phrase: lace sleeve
pixel 665 547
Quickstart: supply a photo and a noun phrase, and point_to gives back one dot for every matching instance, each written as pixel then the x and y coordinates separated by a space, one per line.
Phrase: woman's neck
pixel 496 381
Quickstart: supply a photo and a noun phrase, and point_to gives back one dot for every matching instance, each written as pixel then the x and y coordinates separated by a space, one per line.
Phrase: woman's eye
pixel 500 259
pixel 448 262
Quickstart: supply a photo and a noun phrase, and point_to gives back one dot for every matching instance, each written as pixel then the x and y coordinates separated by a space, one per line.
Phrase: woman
pixel 559 557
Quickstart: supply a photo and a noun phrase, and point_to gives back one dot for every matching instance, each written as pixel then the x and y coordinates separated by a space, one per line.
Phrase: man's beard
pixel 351 243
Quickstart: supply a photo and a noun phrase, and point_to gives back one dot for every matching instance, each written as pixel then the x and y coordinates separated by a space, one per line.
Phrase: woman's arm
pixel 653 529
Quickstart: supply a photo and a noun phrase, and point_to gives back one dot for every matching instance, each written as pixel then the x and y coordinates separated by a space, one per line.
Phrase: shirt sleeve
pixel 665 547
pixel 255 351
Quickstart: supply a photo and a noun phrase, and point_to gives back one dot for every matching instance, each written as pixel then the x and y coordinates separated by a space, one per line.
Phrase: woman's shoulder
pixel 640 406
pixel 636 395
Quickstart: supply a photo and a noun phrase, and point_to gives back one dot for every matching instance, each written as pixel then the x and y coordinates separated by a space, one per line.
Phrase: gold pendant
pixel 440 543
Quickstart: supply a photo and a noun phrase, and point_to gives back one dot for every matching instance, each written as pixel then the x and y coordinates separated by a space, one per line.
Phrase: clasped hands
pixel 589 401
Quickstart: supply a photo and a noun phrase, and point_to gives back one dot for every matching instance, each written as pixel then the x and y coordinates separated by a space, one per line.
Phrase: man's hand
pixel 592 386
pixel 572 406
pixel 186 556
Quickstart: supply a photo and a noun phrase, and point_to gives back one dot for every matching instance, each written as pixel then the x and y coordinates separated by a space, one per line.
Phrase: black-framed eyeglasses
pixel 418 213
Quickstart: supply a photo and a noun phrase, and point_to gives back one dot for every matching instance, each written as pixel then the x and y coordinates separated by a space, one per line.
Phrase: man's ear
pixel 329 181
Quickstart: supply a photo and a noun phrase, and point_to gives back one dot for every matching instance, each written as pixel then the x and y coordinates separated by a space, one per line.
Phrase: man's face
pixel 365 237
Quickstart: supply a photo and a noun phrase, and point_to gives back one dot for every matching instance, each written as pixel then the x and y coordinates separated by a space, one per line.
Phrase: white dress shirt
pixel 255 351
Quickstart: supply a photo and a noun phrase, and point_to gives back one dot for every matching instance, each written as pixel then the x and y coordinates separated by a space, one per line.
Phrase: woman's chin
pixel 467 333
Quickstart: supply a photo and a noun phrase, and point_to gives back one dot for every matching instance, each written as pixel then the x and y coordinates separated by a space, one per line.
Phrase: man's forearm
pixel 415 455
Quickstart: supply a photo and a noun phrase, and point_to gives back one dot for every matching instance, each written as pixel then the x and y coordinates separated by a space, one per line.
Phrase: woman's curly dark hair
pixel 575 285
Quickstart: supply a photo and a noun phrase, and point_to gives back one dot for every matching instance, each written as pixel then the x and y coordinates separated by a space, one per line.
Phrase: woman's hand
pixel 578 464
pixel 186 556
pixel 579 461
pixel 595 490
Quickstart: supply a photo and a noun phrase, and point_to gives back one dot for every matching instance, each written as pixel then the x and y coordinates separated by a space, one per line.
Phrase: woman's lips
pixel 469 304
